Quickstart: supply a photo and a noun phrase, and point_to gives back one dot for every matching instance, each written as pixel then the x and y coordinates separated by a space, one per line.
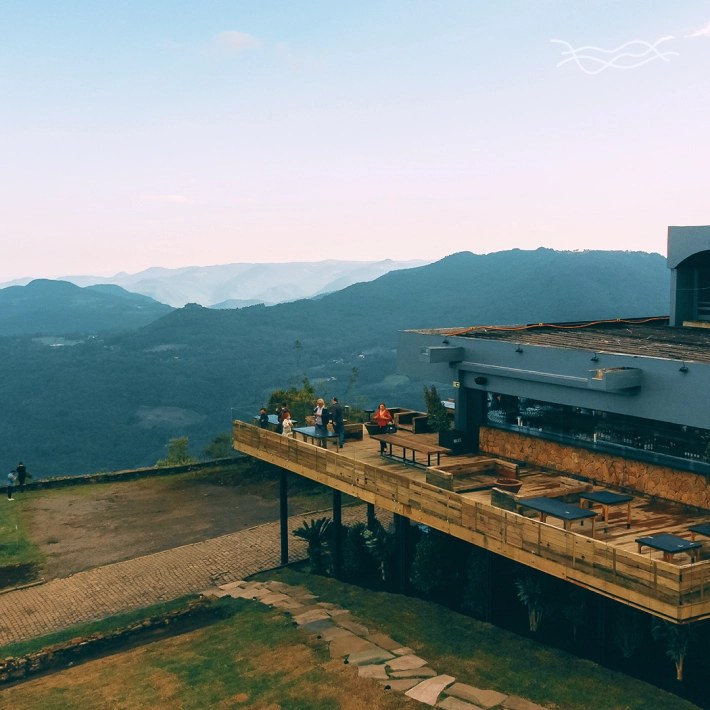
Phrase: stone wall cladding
pixel 669 483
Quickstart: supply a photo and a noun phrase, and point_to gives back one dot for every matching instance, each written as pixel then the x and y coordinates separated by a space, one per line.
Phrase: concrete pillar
pixel 471 414
pixel 601 628
pixel 283 496
pixel 337 534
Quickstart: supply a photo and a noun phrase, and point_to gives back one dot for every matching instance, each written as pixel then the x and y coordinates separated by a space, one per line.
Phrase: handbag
pixel 391 429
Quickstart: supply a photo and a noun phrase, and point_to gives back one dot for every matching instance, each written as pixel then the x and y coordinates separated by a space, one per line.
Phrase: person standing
pixel 320 417
pixel 10 485
pixel 21 476
pixel 382 417
pixel 263 419
pixel 287 424
pixel 336 416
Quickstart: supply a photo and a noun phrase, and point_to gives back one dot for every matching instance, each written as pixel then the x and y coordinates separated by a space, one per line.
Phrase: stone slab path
pixel 377 657
pixel 140 582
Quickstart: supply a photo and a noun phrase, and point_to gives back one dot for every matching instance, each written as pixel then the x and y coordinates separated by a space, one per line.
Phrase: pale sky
pixel 155 133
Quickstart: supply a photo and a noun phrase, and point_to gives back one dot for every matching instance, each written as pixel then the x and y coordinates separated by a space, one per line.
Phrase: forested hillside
pixel 115 401
pixel 59 308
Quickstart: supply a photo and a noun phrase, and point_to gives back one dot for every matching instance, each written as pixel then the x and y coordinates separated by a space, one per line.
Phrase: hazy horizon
pixel 209 134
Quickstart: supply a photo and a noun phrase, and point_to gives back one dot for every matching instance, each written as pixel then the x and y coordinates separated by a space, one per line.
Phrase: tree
pixel 437 416
pixel 530 593
pixel 298 347
pixel 178 454
pixel 300 402
pixel 358 563
pixel 676 638
pixel 575 610
pixel 220 447
pixel 427 573
pixel 381 546
pixel 352 380
pixel 476 593
pixel 317 535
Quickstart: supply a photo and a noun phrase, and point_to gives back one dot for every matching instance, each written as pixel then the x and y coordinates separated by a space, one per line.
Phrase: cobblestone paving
pixel 124 586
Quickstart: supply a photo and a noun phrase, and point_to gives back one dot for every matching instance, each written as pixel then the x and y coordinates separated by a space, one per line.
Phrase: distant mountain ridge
pixel 46 307
pixel 224 285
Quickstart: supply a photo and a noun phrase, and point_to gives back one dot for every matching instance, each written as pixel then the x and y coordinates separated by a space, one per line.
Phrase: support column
pixel 337 534
pixel 401 526
pixel 370 516
pixel 471 413
pixel 601 628
pixel 283 496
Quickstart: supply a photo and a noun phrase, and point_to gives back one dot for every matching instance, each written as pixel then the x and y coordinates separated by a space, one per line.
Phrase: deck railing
pixel 676 592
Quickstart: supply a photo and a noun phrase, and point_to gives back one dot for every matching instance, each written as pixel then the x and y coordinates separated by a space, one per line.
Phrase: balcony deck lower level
pixel 608 563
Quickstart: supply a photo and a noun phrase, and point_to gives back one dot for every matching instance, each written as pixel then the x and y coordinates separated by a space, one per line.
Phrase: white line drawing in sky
pixel 586 60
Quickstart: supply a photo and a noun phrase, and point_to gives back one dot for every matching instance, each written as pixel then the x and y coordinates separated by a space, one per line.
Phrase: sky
pixel 154 133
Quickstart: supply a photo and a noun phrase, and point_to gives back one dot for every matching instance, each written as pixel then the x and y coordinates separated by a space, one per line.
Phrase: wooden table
pixel 607 499
pixel 309 432
pixel 566 512
pixel 416 447
pixel 703 530
pixel 670 545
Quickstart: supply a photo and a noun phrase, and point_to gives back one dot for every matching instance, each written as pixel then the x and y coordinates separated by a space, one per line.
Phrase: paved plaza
pixel 140 582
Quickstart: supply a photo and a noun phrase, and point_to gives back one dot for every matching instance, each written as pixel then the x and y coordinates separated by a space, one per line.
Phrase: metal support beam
pixel 401 526
pixel 371 516
pixel 337 534
pixel 283 494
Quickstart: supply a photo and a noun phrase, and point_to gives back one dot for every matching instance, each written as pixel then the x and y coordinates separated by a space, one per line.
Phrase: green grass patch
pixel 486 656
pixel 255 659
pixel 16 546
pixel 112 623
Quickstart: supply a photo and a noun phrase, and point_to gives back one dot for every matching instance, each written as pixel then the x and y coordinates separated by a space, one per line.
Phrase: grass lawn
pixel 255 659
pixel 16 546
pixel 486 656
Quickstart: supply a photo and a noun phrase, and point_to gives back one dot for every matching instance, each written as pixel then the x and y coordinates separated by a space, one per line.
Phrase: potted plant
pixel 438 419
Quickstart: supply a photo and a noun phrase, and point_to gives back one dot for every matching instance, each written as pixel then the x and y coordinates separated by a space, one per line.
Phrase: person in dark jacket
pixel 263 419
pixel 21 476
pixel 336 416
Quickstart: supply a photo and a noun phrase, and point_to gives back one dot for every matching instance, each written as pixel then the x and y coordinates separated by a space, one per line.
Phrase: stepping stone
pixel 315 615
pixel 369 656
pixel 315 627
pixel 400 685
pixel 347 645
pixel 424 672
pixel 484 698
pixel 276 586
pixel 274 597
pixel 406 663
pixel 297 611
pixel 213 592
pixel 232 585
pixel 333 633
pixel 327 605
pixel 455 704
pixel 251 592
pixel 383 641
pixel 290 605
pixel 374 670
pixel 338 612
pixel 516 703
pixel 429 690
pixel 403 651
pixel 353 626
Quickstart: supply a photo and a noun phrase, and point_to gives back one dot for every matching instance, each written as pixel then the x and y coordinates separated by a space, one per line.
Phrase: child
pixel 10 484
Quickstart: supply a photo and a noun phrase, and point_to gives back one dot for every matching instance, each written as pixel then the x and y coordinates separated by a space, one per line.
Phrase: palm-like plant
pixel 530 593
pixel 677 638
pixel 317 535
pixel 380 544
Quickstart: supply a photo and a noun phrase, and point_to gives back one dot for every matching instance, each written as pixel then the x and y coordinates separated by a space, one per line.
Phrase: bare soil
pixel 82 527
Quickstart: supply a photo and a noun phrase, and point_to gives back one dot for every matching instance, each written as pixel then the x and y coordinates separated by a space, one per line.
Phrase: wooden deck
pixel 608 564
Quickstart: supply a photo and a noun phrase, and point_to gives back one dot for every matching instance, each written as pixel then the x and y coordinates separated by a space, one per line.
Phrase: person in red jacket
pixel 382 417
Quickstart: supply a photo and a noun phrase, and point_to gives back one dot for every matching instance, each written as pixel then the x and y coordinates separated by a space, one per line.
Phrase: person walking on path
pixel 22 475
pixel 336 416
pixel 10 485
pixel 383 418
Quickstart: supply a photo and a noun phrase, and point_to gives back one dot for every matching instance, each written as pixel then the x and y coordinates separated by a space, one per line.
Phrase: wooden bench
pixel 410 443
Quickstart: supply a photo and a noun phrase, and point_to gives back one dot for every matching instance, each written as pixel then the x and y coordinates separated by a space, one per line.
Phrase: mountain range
pixel 113 401
pixel 237 285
